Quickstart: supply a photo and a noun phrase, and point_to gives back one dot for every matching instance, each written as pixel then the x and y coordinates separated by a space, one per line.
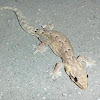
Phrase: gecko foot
pixel 41 48
pixel 48 26
pixel 89 62
pixel 55 75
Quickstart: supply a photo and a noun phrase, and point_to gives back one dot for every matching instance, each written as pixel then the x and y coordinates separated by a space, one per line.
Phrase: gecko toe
pixel 54 76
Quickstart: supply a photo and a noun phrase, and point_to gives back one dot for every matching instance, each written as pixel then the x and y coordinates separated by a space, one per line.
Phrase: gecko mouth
pixel 80 86
pixel 75 80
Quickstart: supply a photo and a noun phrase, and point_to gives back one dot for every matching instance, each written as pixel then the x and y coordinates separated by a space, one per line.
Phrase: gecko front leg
pixel 44 41
pixel 56 72
pixel 89 62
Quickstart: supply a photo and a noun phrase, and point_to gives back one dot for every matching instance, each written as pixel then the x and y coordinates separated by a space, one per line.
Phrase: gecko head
pixel 77 74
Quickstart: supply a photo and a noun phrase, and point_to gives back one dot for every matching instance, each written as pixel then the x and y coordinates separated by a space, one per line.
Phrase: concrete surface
pixel 24 76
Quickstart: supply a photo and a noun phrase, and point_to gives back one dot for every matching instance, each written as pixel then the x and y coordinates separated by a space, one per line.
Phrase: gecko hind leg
pixel 40 48
pixel 89 62
pixel 56 72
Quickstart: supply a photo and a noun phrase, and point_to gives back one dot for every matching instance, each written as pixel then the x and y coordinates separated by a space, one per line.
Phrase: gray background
pixel 24 76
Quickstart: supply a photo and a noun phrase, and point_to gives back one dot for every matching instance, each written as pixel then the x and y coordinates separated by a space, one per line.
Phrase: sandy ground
pixel 24 76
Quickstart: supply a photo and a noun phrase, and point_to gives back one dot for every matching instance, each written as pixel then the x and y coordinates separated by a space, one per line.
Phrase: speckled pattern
pixel 24 76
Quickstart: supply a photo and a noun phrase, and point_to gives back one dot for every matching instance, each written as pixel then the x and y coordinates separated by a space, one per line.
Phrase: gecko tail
pixel 22 21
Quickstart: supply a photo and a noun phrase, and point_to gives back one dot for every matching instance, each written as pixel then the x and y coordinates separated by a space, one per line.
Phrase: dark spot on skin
pixel 87 76
pixel 44 30
pixel 38 38
pixel 69 49
pixel 35 31
pixel 65 69
pixel 75 79
pixel 65 41
pixel 78 56
pixel 65 51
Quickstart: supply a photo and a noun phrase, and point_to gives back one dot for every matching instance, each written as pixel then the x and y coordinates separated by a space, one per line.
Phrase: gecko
pixel 61 46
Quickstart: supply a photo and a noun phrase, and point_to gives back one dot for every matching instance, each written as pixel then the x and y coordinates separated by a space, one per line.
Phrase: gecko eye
pixel 87 76
pixel 75 79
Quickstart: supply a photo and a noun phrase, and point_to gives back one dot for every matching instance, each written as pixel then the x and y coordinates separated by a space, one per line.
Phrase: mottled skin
pixel 61 46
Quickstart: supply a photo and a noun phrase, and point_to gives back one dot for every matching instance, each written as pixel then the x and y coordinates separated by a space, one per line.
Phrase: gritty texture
pixel 25 76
